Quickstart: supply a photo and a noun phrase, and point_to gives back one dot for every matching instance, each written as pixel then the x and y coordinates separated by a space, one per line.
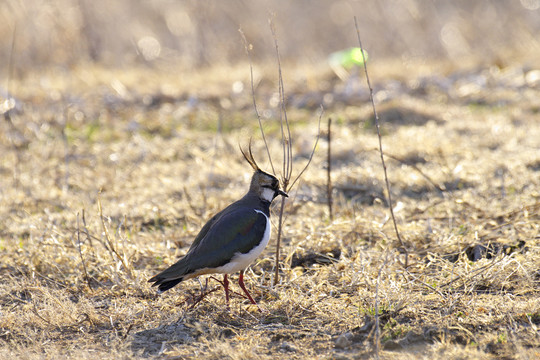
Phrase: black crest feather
pixel 249 157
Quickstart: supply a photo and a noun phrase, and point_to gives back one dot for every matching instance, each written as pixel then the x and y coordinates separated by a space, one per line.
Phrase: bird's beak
pixel 282 193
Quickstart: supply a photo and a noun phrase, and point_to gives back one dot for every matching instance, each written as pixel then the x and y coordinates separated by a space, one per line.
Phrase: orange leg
pixel 241 283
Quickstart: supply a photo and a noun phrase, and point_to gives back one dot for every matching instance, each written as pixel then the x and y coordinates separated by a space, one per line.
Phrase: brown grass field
pixel 108 172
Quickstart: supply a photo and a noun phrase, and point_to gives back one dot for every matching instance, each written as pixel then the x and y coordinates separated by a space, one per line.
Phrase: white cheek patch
pixel 267 194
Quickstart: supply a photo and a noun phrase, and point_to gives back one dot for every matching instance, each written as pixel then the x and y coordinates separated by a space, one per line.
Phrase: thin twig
pixel 287 156
pixel 248 52
pixel 36 312
pixel 285 139
pixel 432 288
pixel 110 246
pixel 390 204
pixel 278 243
pixel 329 170
pixel 417 169
pixel 81 255
pixel 312 150
pixel 472 274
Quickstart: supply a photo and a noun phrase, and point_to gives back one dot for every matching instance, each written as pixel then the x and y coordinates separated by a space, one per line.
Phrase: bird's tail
pixel 170 277
pixel 165 285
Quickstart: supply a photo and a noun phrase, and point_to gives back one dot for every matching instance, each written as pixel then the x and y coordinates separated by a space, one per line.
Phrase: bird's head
pixel 265 185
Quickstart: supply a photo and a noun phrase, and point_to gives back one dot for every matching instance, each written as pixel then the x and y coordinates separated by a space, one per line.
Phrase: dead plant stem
pixel 81 255
pixel 329 170
pixel 110 244
pixel 286 142
pixel 389 194
pixel 248 52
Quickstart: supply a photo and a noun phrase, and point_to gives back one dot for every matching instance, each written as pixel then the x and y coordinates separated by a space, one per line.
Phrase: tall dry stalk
pixel 248 48
pixel 329 171
pixel 389 194
pixel 286 141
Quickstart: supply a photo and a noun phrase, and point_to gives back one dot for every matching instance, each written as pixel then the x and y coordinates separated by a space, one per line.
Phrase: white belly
pixel 241 261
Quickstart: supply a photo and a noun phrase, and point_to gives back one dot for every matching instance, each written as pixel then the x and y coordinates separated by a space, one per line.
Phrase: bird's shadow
pixel 151 342
pixel 155 341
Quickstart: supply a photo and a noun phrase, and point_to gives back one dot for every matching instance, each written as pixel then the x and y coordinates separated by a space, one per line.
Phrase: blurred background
pixel 203 33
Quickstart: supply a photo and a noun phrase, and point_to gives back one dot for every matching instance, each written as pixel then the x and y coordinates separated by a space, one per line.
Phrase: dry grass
pixel 468 174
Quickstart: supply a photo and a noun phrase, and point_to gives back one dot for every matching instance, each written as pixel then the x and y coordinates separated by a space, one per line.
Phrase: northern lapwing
pixel 232 239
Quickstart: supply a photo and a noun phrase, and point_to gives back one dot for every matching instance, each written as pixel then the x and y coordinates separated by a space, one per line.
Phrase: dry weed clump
pixel 96 199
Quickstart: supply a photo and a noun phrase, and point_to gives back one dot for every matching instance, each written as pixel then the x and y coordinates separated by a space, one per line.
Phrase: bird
pixel 232 239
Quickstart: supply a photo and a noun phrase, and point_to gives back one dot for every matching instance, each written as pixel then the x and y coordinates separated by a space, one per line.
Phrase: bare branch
pixel 247 47
pixel 417 169
pixel 286 141
pixel 403 249
pixel 287 156
pixel 329 170
pixel 312 150
pixel 285 137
